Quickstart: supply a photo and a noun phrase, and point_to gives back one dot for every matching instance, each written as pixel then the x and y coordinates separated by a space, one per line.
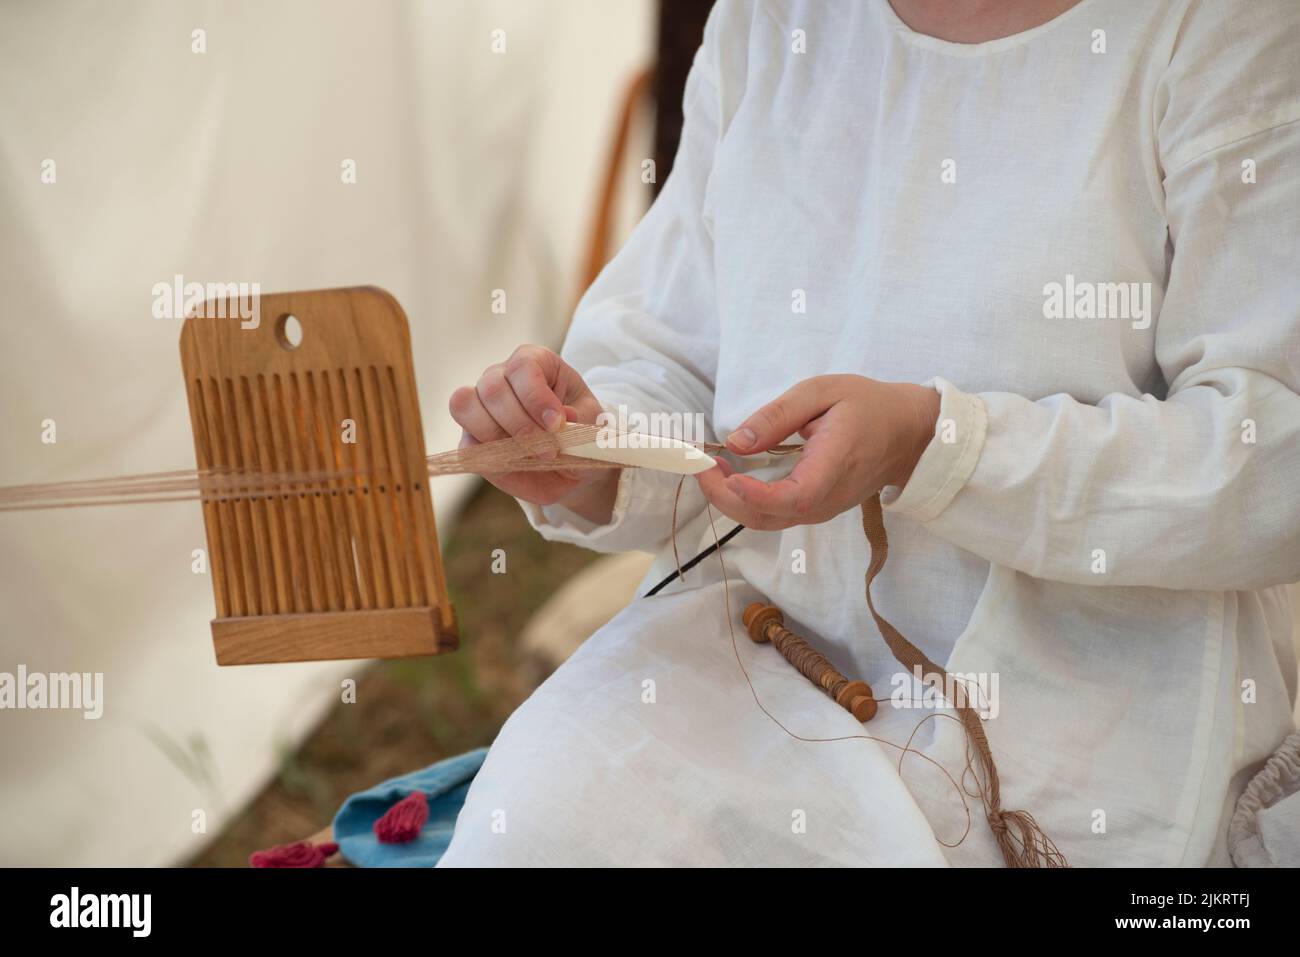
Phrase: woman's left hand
pixel 861 435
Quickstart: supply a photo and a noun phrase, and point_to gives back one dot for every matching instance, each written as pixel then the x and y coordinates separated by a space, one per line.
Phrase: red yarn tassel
pixel 302 854
pixel 401 823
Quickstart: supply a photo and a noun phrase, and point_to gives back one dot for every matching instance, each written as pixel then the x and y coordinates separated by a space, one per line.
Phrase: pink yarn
pixel 302 854
pixel 401 823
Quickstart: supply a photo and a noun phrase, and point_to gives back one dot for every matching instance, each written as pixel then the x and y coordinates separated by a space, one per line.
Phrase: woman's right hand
pixel 532 391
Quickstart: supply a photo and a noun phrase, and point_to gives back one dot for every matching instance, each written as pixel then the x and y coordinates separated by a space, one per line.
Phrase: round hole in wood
pixel 288 331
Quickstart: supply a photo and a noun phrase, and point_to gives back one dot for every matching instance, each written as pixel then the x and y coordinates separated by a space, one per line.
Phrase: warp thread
pixel 539 452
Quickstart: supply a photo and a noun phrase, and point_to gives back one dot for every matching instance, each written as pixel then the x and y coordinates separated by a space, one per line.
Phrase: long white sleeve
pixel 1199 489
pixel 645 335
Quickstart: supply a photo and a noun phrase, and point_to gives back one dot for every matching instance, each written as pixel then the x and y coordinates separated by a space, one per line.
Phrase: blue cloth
pixel 445 784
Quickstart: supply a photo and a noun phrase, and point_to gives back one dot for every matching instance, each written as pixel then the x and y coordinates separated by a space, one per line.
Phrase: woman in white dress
pixel 1032 269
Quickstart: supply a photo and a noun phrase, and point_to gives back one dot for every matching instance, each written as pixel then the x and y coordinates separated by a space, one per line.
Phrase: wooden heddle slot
pixel 315 491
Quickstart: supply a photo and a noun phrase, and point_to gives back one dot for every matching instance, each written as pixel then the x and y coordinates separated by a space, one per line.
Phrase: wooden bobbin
pixel 766 623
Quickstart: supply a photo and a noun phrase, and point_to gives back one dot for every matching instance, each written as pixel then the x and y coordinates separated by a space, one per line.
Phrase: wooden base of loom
pixel 331 636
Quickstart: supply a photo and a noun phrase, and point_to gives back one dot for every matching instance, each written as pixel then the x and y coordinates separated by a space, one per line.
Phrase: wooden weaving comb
pixel 345 566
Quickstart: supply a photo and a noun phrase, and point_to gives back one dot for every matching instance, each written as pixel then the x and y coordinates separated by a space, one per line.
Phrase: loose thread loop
pixel 1022 842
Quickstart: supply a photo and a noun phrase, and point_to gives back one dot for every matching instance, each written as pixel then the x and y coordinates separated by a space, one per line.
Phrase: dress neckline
pixel 952 48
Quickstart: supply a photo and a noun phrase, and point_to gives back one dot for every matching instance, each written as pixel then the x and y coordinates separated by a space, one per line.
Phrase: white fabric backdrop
pixel 476 171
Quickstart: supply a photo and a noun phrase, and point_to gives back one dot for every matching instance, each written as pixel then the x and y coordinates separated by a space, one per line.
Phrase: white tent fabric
pixel 475 171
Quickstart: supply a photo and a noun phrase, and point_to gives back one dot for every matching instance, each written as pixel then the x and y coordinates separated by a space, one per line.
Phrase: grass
pixel 414 711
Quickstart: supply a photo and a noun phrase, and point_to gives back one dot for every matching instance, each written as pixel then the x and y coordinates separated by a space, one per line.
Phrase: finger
pixel 571 415
pixel 782 417
pixel 588 409
pixel 715 487
pixel 542 488
pixel 472 416
pixel 502 404
pixel 714 478
pixel 819 467
pixel 531 386
pixel 713 481
pixel 562 379
pixel 573 390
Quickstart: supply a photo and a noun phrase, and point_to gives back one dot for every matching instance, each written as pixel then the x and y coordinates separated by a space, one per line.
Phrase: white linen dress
pixel 1105 523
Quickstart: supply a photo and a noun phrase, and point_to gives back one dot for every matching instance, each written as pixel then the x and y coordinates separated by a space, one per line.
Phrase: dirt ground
pixel 412 712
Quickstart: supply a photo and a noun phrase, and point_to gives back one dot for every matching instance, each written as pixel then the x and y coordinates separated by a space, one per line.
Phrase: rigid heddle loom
pixel 348 568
